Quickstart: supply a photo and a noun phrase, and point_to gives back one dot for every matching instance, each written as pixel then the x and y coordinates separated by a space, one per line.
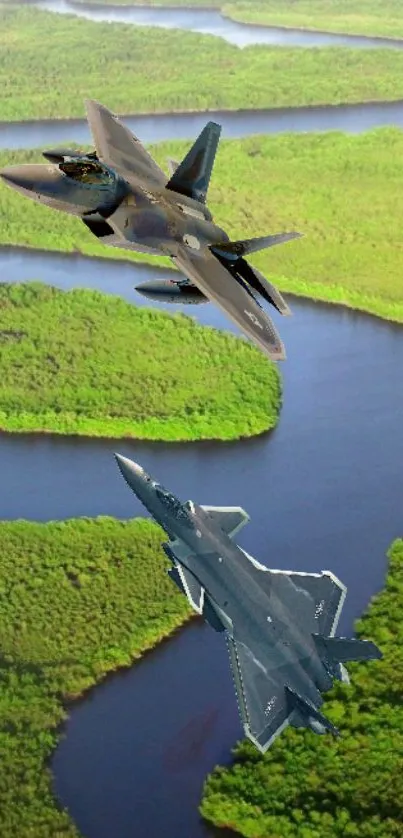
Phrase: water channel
pixel 323 490
pixel 211 22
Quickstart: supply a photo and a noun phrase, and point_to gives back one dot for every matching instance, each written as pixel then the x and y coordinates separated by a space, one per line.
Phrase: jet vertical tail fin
pixel 192 177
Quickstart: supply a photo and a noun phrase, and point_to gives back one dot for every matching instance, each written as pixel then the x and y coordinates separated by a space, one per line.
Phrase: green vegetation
pixel 50 63
pixel 372 17
pixel 343 192
pixel 78 599
pixel 86 363
pixel 359 17
pixel 308 786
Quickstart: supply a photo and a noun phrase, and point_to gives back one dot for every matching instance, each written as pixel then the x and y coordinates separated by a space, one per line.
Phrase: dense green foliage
pixel 362 17
pixel 345 193
pixel 308 786
pixel 50 63
pixel 87 363
pixel 77 600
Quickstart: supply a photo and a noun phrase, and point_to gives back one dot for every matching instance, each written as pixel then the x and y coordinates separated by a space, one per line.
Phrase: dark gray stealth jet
pixel 125 200
pixel 279 625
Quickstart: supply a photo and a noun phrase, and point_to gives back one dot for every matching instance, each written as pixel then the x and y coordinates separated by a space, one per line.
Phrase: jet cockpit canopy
pixel 87 171
pixel 173 505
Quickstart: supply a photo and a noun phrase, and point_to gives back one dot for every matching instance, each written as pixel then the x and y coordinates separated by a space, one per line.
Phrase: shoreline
pixel 180 424
pixel 365 306
pixel 82 120
pixel 226 16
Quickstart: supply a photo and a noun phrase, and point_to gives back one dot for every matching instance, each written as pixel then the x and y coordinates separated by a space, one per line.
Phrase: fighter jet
pixel 279 625
pixel 126 201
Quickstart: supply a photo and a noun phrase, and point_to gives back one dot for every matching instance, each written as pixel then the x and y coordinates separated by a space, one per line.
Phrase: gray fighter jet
pixel 125 200
pixel 279 625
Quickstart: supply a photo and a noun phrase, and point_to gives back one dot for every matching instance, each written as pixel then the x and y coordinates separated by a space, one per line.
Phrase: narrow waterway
pixel 153 128
pixel 211 22
pixel 323 491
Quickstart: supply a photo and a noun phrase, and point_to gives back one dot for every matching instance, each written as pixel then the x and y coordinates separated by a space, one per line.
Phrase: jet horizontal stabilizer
pixel 230 518
pixel 341 649
pixel 304 714
pixel 259 283
pixel 262 699
pixel 235 250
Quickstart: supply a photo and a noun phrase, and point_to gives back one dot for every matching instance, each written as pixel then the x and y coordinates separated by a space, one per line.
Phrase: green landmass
pixel 352 17
pixel 82 362
pixel 343 192
pixel 78 599
pixel 308 786
pixel 50 63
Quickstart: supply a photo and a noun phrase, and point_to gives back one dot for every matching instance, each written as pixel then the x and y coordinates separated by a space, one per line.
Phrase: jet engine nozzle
pixel 169 291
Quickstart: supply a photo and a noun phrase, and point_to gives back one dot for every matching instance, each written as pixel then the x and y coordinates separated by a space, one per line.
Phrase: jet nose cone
pixel 131 471
pixel 18 177
pixel 33 180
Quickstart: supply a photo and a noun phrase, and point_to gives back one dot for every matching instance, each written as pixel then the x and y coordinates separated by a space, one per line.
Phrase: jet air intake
pixel 59 155
pixel 169 291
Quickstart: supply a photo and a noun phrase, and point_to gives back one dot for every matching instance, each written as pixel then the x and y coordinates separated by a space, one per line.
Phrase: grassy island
pixel 136 69
pixel 82 362
pixel 78 599
pixel 308 786
pixel 345 193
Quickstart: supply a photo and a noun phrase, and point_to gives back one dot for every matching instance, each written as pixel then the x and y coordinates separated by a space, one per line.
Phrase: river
pixel 323 491
pixel 152 128
pixel 211 22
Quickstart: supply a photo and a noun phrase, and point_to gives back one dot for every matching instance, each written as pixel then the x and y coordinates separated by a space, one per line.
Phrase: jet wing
pixel 216 282
pixel 327 595
pixel 230 518
pixel 119 148
pixel 262 701
pixel 315 599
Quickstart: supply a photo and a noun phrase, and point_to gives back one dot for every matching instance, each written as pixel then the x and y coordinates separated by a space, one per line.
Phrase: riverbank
pixel 76 363
pixel 344 193
pixel 78 599
pixel 87 59
pixel 383 18
pixel 321 786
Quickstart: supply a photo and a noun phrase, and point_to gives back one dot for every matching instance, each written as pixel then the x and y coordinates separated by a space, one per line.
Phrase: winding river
pixel 323 490
pixel 211 22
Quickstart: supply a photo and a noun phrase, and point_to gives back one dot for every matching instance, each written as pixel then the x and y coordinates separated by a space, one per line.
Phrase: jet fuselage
pixel 251 613
pixel 142 218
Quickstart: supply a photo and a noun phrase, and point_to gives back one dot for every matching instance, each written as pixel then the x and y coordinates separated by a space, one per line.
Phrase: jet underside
pixel 279 625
